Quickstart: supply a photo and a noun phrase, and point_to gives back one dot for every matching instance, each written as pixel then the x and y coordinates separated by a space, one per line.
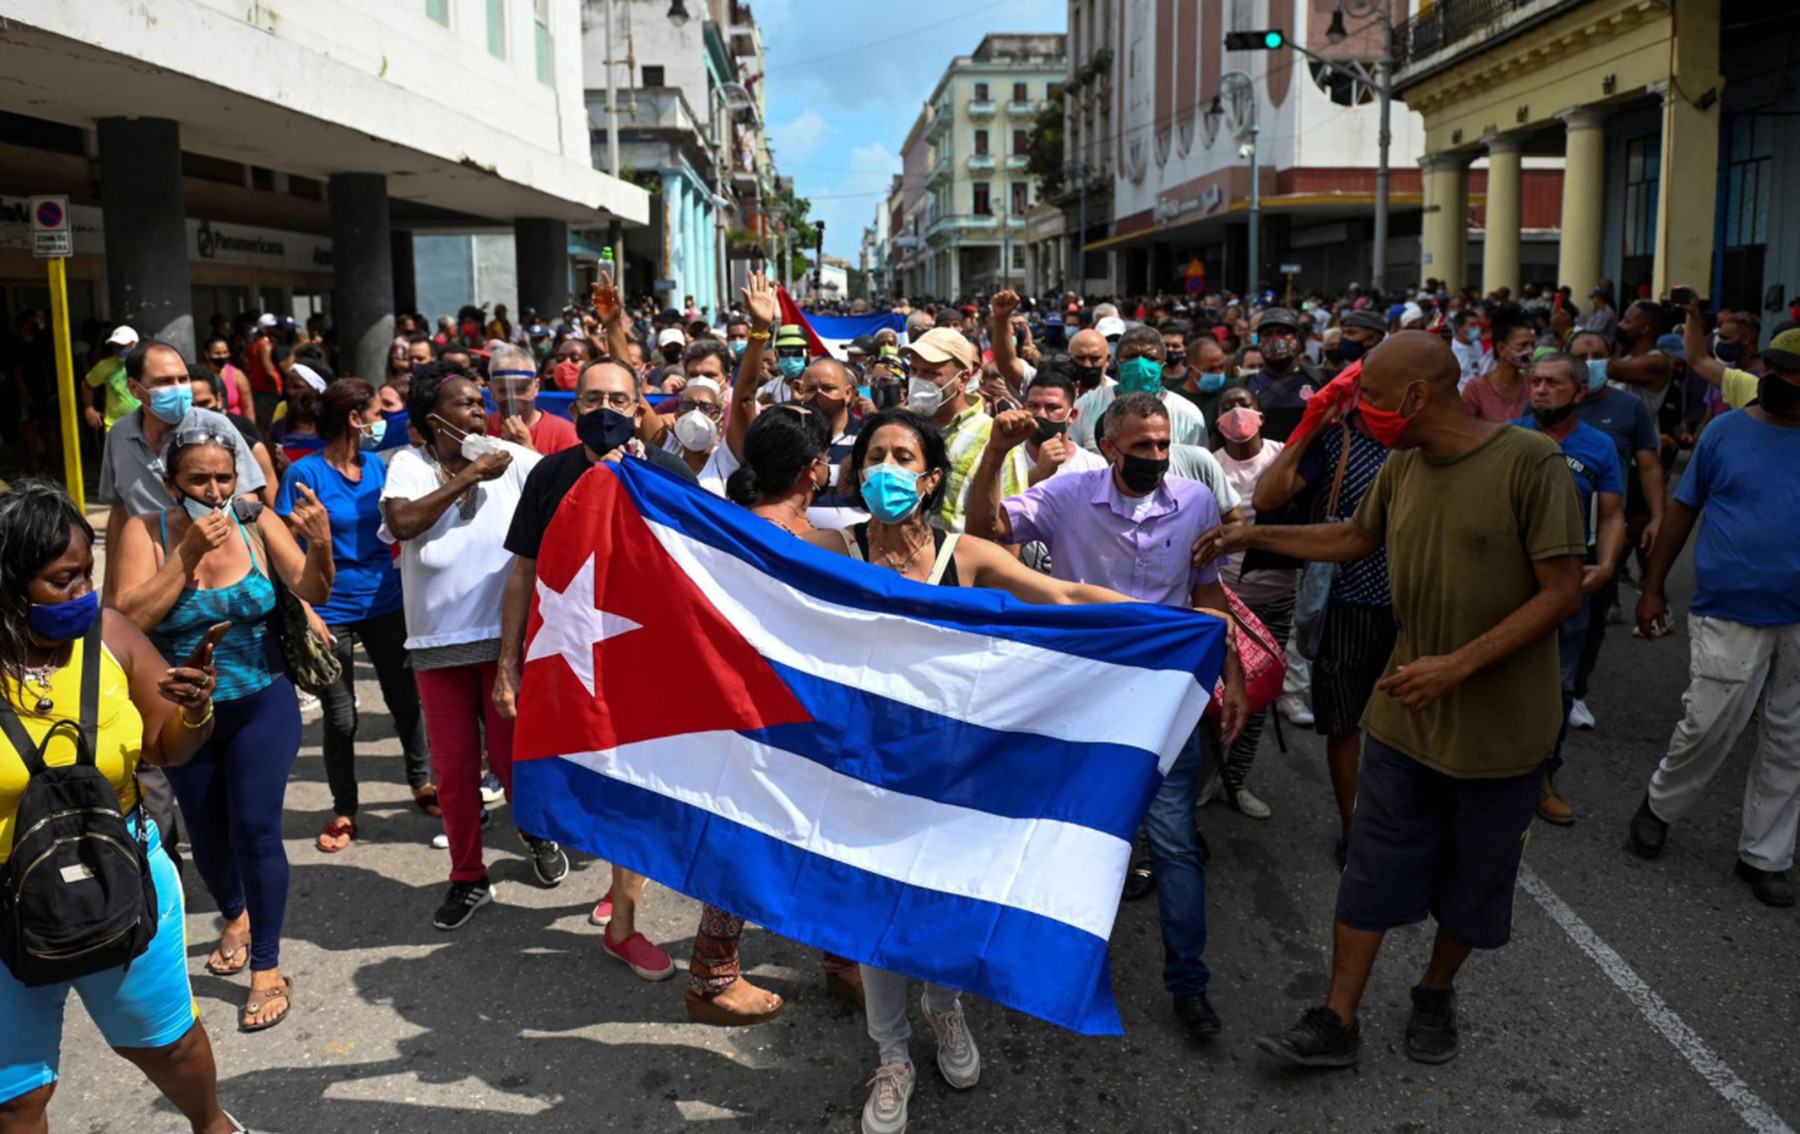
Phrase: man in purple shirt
pixel 1125 527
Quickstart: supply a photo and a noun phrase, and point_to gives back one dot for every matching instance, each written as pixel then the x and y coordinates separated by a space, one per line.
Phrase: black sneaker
pixel 1648 833
pixel 461 902
pixel 1320 1039
pixel 548 861
pixel 1431 1029
pixel 1771 887
pixel 1140 877
pixel 1197 1016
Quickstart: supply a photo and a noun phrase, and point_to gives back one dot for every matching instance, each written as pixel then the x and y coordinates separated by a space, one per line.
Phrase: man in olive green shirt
pixel 1484 542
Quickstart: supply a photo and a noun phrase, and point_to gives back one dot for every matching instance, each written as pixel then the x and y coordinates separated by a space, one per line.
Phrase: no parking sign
pixel 51 233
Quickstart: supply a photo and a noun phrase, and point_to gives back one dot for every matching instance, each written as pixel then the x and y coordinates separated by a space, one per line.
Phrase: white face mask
pixel 696 432
pixel 473 444
pixel 923 396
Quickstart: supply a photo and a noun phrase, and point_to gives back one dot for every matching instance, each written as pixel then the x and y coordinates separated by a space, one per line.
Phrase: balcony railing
pixel 981 163
pixel 1450 22
pixel 1016 161
pixel 983 108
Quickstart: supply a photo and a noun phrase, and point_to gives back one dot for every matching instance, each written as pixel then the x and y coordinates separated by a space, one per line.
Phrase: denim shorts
pixel 1425 843
pixel 145 1004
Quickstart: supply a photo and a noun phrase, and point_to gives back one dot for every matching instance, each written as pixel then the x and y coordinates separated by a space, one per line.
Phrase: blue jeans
pixel 1571 637
pixel 1180 878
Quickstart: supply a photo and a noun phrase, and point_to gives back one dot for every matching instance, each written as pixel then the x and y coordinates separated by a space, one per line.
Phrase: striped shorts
pixel 1354 649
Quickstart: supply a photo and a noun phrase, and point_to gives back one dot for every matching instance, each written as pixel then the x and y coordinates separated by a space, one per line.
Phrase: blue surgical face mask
pixel 64 621
pixel 790 366
pixel 196 508
pixel 738 347
pixel 169 404
pixel 1140 375
pixel 1596 373
pixel 890 492
pixel 1212 383
pixel 371 435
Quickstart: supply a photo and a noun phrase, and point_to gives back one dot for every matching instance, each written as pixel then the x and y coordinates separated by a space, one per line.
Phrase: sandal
pixel 427 799
pixel 250 1020
pixel 225 967
pixel 344 829
pixel 708 1010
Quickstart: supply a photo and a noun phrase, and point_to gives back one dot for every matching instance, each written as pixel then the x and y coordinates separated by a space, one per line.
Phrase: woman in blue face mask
pixel 51 631
pixel 365 604
pixel 178 573
pixel 902 464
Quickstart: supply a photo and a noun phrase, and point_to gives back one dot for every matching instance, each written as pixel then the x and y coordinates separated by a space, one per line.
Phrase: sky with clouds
pixel 841 93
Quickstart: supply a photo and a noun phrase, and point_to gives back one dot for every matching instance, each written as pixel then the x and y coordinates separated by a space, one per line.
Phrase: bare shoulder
pixel 831 539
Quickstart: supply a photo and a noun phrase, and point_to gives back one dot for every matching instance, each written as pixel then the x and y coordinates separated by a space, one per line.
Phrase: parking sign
pixel 51 232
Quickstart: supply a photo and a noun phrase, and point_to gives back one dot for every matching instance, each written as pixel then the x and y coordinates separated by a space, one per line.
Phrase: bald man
pixel 1484 543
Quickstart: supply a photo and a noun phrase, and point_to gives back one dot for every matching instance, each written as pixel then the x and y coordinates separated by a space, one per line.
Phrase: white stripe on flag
pixel 1046 867
pixel 992 682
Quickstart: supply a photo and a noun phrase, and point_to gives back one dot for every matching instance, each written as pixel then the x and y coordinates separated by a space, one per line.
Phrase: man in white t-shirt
pixel 1140 353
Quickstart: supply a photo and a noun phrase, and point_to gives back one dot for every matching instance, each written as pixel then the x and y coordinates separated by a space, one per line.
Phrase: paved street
pixel 519 1022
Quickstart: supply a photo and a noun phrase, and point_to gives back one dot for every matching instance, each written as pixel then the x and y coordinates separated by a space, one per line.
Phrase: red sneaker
pixel 602 914
pixel 645 959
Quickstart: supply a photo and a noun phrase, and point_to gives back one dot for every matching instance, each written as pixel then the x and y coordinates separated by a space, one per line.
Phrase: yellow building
pixel 1627 92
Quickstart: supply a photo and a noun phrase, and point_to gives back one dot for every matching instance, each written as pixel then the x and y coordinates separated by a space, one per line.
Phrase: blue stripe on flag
pixel 1107 787
pixel 1147 635
pixel 1028 962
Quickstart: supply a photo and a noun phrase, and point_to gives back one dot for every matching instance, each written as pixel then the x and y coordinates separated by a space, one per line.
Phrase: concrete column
pixel 1500 257
pixel 362 269
pixel 145 214
pixel 1584 193
pixel 406 288
pixel 541 252
pixel 1446 227
pixel 1687 195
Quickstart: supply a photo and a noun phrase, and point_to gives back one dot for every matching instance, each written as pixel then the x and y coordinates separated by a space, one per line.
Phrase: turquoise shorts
pixel 147 1004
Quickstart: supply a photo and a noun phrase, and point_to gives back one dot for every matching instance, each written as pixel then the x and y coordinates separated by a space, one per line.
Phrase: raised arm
pixel 760 301
pixel 1697 347
pixel 985 517
pixel 1651 369
pixel 1281 481
pixel 310 573
pixel 1006 355
pixel 611 312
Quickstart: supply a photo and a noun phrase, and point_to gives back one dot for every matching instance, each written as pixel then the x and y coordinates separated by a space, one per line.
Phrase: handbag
pixel 1259 656
pixel 1313 594
pixel 310 663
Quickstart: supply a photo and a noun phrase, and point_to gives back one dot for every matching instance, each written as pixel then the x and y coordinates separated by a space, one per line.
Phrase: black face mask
pixel 1047 429
pixel 1088 377
pixel 1142 474
pixel 1174 358
pixel 604 429
pixel 1549 418
pixel 1777 395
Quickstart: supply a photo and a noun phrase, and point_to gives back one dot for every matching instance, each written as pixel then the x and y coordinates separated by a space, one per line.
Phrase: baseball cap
pixel 537 331
pixel 1671 345
pixel 1784 351
pixel 861 344
pixel 670 335
pixel 266 319
pixel 1411 315
pixel 942 343
pixel 1396 311
pixel 669 315
pixel 1278 317
pixel 122 336
pixel 1110 326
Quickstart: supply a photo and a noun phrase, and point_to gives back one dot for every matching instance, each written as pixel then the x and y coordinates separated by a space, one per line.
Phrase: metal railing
pixel 1449 22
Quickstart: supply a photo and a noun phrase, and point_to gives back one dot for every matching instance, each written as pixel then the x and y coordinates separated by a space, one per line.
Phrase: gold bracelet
pixel 202 722
pixel 759 336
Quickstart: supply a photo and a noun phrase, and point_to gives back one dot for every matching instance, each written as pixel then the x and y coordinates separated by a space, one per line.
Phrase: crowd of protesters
pixel 1329 472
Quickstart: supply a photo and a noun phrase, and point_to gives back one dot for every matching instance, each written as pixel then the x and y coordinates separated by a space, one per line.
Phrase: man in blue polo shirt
pixel 1558 383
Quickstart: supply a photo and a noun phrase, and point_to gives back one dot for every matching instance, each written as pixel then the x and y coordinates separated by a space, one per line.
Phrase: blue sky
pixel 842 91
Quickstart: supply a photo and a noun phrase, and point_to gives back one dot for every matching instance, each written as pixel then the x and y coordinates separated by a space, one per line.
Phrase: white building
pixel 354 122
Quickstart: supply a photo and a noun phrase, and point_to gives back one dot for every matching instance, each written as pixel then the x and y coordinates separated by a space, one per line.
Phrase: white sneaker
pixel 441 840
pixel 491 791
pixel 1293 707
pixel 308 702
pixel 889 1091
pixel 1251 806
pixel 1580 716
pixel 957 1057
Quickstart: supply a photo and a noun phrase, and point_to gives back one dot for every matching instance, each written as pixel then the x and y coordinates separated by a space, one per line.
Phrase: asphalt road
pixel 1635 996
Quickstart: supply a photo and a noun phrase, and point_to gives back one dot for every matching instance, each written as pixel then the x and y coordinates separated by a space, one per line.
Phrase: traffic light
pixel 1268 39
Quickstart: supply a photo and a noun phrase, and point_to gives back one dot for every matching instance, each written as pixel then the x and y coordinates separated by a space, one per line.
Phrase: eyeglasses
pixel 616 401
pixel 710 409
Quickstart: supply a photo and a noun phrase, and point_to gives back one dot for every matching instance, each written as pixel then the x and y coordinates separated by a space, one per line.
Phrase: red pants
pixel 458 703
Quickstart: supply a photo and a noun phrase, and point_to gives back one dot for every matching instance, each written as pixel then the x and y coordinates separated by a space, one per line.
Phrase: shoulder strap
pixel 91 649
pixel 21 740
pixel 945 556
pixel 853 548
pixel 1337 482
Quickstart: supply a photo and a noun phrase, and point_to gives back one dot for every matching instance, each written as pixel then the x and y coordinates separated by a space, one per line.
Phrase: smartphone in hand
pixel 202 655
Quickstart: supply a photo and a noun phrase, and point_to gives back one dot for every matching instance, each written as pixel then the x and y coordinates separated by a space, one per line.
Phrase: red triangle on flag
pixel 661 658
pixel 791 313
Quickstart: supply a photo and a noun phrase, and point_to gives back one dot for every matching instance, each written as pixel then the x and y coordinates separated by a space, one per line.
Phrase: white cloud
pixel 797 138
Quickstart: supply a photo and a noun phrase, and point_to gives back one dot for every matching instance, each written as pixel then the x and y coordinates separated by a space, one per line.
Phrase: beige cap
pixel 941 343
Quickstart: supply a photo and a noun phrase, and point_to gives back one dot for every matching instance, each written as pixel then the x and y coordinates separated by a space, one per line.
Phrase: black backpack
pixel 76 895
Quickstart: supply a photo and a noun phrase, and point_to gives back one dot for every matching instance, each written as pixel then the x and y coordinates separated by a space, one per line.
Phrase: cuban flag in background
pixel 941 781
pixel 830 334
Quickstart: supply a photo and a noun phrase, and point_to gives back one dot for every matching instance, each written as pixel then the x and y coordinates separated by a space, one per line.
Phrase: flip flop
pixel 337 828
pixel 259 999
pixel 222 970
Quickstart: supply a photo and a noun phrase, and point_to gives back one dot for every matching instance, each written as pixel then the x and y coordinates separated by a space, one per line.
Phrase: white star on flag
pixel 573 626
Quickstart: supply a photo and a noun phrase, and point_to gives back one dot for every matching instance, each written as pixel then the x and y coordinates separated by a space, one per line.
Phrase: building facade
pixel 1671 122
pixel 976 126
pixel 225 185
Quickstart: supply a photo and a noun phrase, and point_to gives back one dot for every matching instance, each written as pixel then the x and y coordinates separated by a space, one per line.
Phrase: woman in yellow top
pixel 148 712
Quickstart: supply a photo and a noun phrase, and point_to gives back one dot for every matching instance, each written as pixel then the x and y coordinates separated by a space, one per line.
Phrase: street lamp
pixel 678 13
pixel 1215 113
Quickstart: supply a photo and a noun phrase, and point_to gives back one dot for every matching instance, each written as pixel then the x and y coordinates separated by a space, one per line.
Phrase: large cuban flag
pixel 940 781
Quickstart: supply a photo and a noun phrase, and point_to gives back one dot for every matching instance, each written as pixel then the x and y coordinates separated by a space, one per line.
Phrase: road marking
pixel 1757 1114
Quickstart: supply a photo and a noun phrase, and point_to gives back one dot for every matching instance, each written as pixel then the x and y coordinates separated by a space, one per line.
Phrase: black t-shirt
pixel 1283 399
pixel 549 481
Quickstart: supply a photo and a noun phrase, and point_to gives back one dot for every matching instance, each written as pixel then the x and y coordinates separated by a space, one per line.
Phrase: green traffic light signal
pixel 1272 40
pixel 1269 39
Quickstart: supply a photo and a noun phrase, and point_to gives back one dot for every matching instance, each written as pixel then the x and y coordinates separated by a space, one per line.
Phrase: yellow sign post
pixel 65 382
